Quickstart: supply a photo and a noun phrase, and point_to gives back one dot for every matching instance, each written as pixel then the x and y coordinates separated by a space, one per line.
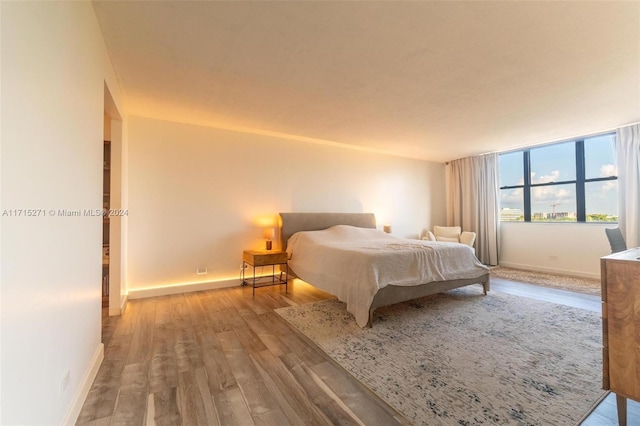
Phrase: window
pixel 512 186
pixel 565 182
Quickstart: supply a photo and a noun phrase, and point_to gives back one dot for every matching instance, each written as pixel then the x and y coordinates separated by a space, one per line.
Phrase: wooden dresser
pixel 620 276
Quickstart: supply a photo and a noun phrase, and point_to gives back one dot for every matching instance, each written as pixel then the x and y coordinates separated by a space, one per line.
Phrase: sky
pixel 555 163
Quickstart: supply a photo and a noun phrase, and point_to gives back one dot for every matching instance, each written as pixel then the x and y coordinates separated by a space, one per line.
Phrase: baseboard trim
pixel 85 385
pixel 123 306
pixel 181 288
pixel 550 270
pixel 118 310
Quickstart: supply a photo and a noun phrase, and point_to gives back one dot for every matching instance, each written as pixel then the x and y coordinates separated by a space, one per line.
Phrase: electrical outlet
pixel 201 270
pixel 64 383
pixel 553 257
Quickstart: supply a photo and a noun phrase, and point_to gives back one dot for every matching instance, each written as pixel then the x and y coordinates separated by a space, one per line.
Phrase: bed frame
pixel 290 223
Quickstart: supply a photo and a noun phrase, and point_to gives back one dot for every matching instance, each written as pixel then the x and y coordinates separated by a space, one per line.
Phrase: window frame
pixel 579 182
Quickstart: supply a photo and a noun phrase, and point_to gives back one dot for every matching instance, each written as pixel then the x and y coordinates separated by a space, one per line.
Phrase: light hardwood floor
pixel 224 357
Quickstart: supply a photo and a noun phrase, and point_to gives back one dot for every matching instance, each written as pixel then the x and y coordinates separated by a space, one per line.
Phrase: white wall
pixel 197 196
pixel 118 223
pixel 54 68
pixel 564 248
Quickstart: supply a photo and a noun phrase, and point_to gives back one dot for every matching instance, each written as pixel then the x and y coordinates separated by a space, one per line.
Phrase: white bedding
pixel 354 263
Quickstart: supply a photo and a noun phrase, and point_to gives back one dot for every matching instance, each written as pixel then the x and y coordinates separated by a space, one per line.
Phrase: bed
pixel 345 255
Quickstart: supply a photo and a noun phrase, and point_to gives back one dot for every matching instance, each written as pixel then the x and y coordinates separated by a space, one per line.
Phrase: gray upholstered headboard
pixel 290 223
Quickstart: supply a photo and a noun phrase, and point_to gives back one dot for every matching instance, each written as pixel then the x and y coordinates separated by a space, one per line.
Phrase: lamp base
pixel 269 244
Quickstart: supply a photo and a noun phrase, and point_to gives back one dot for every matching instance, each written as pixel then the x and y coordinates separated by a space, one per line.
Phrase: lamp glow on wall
pixel 269 234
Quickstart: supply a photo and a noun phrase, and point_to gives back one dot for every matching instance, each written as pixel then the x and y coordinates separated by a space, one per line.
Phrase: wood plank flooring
pixel 222 357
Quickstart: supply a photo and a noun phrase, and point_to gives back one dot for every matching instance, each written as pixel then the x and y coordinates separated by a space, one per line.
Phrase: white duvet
pixel 354 263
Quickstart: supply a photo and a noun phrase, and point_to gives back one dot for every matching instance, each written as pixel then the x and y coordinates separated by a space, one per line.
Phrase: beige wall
pixel 54 69
pixel 564 248
pixel 197 196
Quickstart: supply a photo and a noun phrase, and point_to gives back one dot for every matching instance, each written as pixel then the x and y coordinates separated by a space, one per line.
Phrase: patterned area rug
pixel 562 282
pixel 461 358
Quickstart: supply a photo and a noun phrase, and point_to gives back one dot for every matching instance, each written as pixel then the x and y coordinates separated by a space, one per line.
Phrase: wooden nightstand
pixel 261 258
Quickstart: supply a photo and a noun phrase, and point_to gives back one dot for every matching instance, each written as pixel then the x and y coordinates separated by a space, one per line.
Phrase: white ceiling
pixel 427 80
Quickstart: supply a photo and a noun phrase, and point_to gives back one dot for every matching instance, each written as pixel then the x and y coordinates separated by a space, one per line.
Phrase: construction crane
pixel 553 209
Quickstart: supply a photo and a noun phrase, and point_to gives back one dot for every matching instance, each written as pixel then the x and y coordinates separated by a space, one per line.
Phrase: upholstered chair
pixel 453 234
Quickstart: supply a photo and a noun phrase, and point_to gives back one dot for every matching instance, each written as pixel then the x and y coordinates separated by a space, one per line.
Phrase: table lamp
pixel 268 235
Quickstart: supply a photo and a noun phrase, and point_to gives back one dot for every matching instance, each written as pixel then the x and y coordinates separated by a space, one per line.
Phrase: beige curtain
pixel 628 159
pixel 473 203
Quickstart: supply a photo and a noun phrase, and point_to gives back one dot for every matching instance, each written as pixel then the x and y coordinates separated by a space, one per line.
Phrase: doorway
pixel 113 285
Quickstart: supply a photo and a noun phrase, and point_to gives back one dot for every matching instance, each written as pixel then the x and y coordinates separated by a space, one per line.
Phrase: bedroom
pixel 230 178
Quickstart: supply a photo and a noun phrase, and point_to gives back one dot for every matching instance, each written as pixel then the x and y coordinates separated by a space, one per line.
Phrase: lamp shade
pixel 269 233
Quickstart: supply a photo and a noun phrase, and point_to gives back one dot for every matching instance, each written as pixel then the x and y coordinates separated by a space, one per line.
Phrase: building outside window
pixel 574 181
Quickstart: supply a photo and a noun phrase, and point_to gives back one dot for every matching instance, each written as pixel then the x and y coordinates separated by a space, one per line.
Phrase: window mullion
pixel 580 188
pixel 527 185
